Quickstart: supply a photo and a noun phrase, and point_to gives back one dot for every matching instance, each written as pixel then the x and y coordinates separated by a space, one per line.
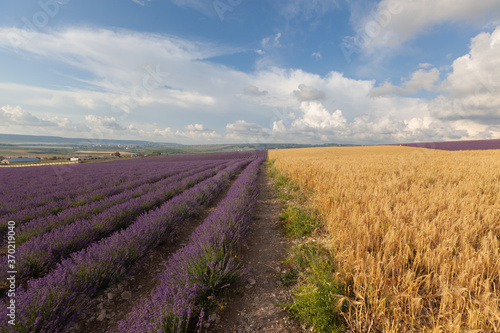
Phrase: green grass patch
pixel 284 187
pixel 317 297
pixel 299 222
pixel 289 278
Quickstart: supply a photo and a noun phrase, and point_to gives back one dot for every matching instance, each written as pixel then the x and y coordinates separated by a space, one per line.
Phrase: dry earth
pixel 253 305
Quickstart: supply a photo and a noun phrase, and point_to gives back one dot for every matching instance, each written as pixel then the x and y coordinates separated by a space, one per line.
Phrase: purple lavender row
pixel 50 303
pixel 46 181
pixel 39 254
pixel 52 184
pixel 55 207
pixel 43 224
pixel 81 183
pixel 458 145
pixel 98 194
pixel 45 184
pixel 78 183
pixel 27 195
pixel 83 191
pixel 202 268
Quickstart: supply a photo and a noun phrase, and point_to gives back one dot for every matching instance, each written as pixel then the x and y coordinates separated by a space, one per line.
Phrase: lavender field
pixel 458 145
pixel 80 229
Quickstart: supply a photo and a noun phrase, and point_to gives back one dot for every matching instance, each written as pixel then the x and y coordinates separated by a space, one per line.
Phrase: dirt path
pixel 252 305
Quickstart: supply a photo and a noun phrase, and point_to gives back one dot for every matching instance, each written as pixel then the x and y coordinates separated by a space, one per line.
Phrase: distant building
pixel 19 160
pixel 74 159
pixel 117 154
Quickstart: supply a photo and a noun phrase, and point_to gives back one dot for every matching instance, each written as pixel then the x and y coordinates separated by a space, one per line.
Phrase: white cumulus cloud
pixel 419 80
pixel 473 85
pixel 393 22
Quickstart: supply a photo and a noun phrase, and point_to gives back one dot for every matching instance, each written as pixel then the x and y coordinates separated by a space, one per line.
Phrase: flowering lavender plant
pixel 48 304
pixel 41 253
pixel 202 268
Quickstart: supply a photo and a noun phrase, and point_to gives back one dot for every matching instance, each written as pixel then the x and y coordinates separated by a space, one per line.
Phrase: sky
pixel 251 71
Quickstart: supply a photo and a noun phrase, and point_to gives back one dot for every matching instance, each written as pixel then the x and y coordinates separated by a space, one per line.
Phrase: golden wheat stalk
pixel 416 233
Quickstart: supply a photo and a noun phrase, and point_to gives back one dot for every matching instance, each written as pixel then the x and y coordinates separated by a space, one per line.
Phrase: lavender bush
pixel 40 226
pixel 196 273
pixel 50 303
pixel 35 186
pixel 76 198
pixel 458 145
pixel 41 253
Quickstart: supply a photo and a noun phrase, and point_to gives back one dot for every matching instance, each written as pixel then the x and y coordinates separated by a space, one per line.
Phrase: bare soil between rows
pixel 251 305
pixel 114 303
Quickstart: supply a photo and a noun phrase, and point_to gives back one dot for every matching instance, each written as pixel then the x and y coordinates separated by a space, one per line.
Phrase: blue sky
pixel 227 71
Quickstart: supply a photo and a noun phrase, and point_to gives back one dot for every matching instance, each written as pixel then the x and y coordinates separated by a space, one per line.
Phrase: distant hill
pixel 189 149
pixel 457 145
pixel 16 139
pixel 44 140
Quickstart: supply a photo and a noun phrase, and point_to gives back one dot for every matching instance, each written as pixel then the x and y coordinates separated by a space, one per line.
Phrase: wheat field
pixel 415 233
